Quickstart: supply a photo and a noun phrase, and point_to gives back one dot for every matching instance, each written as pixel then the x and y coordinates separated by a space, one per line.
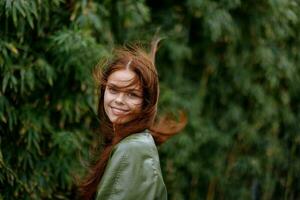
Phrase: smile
pixel 118 111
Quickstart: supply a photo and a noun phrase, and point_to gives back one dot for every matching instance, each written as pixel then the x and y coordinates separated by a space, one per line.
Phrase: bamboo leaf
pixel 14 16
pixel 12 47
pixel 19 6
pixel 5 82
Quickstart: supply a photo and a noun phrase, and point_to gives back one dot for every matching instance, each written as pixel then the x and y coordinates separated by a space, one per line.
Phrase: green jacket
pixel 133 171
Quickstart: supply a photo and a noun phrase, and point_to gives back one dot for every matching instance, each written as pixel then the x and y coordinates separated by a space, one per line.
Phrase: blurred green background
pixel 232 65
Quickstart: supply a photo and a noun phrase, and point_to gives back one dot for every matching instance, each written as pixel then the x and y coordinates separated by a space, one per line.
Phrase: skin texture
pixel 122 100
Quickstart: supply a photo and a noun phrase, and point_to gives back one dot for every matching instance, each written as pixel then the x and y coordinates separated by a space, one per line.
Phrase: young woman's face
pixel 121 100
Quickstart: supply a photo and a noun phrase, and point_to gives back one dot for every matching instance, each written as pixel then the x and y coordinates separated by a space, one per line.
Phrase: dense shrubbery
pixel 232 65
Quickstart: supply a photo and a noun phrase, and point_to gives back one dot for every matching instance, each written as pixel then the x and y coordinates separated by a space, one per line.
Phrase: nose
pixel 120 98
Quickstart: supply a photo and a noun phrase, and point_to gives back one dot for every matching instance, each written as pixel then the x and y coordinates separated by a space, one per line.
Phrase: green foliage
pixel 232 65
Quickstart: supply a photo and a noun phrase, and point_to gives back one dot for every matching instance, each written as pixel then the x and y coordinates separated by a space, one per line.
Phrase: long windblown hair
pixel 143 65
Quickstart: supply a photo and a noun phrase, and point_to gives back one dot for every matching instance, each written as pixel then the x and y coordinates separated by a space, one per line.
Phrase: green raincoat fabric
pixel 133 171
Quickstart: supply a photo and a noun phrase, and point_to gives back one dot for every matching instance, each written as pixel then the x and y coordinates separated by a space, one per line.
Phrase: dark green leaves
pixel 232 65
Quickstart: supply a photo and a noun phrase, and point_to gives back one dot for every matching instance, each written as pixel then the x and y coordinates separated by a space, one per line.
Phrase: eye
pixel 112 90
pixel 133 95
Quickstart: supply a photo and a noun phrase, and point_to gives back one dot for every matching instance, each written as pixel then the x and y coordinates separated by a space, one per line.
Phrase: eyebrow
pixel 117 87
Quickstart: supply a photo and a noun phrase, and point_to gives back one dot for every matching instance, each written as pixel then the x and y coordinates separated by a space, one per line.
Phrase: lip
pixel 118 111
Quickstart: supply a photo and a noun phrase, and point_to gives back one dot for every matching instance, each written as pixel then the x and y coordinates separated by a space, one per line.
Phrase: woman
pixel 128 167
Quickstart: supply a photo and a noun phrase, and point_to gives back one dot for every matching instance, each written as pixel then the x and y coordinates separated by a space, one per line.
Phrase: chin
pixel 122 120
pixel 119 121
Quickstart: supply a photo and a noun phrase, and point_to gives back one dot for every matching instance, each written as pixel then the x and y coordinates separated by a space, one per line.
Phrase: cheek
pixel 107 96
pixel 137 105
pixel 106 100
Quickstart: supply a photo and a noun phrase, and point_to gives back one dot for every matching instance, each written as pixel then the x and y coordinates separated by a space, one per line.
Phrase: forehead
pixel 123 78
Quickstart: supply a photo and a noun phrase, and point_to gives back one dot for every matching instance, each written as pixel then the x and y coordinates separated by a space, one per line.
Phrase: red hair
pixel 143 65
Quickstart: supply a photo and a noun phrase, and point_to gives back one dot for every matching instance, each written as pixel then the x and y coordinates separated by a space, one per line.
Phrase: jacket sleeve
pixel 132 173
